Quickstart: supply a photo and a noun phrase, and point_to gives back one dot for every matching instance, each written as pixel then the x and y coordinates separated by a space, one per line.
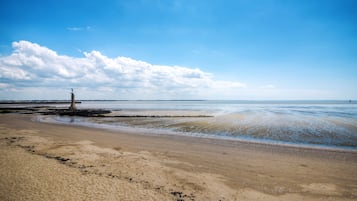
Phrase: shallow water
pixel 326 123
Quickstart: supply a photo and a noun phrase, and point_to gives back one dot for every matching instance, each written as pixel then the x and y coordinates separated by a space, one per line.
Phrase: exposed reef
pixel 78 112
pixel 46 110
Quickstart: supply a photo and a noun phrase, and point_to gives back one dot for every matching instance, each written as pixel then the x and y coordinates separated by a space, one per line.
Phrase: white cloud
pixel 13 73
pixel 86 28
pixel 32 65
pixel 74 28
pixel 225 85
pixel 269 86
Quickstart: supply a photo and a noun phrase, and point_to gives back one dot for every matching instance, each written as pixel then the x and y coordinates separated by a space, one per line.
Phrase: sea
pixel 328 124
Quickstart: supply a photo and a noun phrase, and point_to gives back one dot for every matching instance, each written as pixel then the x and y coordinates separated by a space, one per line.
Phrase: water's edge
pixel 157 132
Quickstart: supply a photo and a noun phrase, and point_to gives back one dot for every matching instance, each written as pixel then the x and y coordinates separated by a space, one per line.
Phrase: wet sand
pixel 42 161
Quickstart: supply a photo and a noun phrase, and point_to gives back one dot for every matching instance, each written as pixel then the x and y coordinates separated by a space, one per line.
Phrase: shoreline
pixel 249 140
pixel 295 137
pixel 225 169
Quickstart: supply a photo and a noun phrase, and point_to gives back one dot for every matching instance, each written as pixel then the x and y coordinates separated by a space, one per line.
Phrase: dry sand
pixel 41 161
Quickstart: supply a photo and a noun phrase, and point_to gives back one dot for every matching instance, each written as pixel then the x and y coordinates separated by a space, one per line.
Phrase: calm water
pixel 325 123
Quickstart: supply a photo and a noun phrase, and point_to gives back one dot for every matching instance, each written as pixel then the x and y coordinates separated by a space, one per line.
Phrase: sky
pixel 178 49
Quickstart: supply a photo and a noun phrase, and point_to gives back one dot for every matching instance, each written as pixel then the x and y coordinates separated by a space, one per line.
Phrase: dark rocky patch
pixel 55 111
pixel 58 158
pixel 180 196
pixel 82 113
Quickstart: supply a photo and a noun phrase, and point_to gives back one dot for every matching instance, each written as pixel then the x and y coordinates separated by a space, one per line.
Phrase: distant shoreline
pixel 38 102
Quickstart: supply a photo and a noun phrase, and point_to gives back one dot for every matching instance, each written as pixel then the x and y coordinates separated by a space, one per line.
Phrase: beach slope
pixel 42 161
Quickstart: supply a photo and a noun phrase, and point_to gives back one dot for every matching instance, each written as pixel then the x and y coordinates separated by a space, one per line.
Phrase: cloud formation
pixel 31 65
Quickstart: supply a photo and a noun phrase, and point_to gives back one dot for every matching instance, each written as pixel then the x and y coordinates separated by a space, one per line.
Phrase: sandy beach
pixel 43 161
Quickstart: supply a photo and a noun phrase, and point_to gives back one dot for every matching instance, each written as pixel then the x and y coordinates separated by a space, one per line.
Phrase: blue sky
pixel 208 49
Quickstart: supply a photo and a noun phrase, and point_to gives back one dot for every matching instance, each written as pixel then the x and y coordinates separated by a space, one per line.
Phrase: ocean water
pixel 318 123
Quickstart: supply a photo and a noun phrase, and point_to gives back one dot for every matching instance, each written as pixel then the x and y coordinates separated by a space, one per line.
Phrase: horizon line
pixel 257 100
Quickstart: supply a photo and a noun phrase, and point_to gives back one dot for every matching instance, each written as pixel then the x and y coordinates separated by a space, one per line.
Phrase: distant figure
pixel 73 102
